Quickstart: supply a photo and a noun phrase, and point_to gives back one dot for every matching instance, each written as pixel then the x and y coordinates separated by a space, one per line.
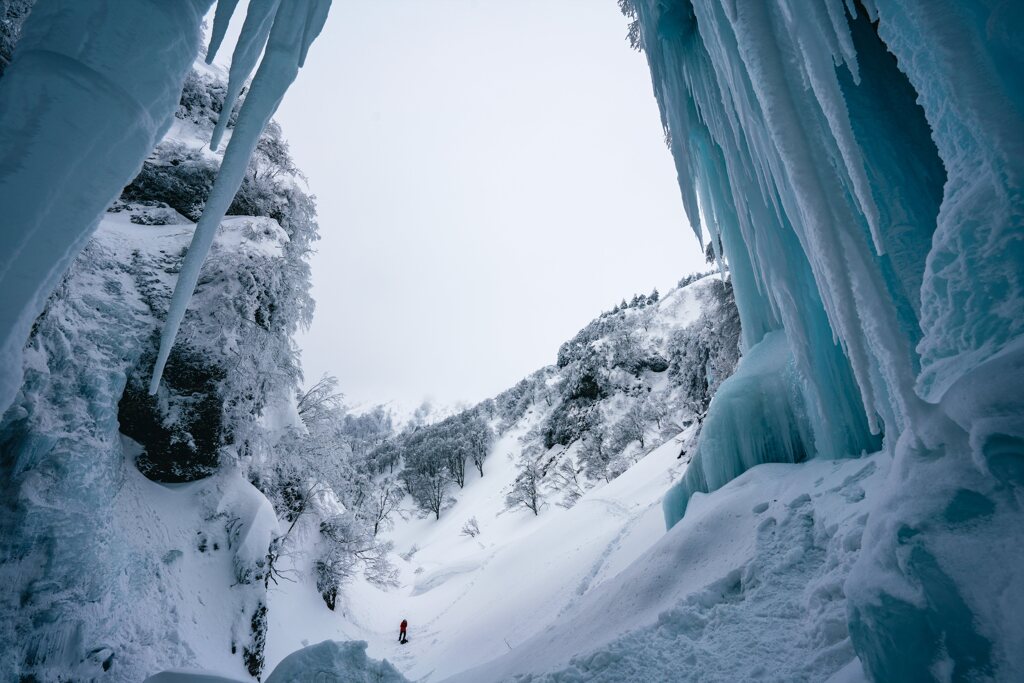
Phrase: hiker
pixel 401 631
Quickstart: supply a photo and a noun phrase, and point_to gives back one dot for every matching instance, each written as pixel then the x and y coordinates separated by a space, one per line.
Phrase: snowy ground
pixel 469 601
pixel 748 586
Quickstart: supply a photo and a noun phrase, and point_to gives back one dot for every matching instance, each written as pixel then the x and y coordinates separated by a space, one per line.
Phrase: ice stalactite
pixel 295 26
pixel 255 30
pixel 221 20
pixel 90 91
pixel 863 163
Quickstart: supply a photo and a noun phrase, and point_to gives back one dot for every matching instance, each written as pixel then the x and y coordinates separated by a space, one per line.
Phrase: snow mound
pixel 334 662
pixel 188 676
pixel 327 662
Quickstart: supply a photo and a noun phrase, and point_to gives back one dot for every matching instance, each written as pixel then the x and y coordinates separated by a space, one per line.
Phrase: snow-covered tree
pixel 385 495
pixel 471 528
pixel 526 489
pixel 566 478
pixel 345 549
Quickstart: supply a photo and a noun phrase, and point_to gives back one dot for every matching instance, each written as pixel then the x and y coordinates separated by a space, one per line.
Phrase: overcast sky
pixel 490 175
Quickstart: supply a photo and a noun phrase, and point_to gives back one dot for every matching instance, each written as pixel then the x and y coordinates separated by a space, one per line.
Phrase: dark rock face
pixel 179 428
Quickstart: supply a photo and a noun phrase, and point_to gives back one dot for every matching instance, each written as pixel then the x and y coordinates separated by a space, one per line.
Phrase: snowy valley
pixel 514 550
pixel 802 465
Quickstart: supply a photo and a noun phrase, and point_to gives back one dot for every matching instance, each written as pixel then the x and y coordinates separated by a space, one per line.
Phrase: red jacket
pixel 403 625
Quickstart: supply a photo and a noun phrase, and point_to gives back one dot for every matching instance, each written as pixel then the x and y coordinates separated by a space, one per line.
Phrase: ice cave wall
pixel 91 88
pixel 90 91
pixel 862 165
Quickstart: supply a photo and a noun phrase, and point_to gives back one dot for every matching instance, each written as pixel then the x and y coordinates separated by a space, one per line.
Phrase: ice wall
pixel 863 165
pixel 758 417
pixel 91 89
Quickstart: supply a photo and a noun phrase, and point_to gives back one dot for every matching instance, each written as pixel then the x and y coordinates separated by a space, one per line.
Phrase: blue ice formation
pixel 284 41
pixel 862 162
pixel 763 389
pixel 91 89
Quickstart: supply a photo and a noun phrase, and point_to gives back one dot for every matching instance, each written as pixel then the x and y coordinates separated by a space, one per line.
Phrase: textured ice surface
pixel 863 165
pixel 92 87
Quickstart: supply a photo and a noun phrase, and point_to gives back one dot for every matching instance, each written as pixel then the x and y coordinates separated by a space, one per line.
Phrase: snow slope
pixel 470 600
pixel 454 589
pixel 749 585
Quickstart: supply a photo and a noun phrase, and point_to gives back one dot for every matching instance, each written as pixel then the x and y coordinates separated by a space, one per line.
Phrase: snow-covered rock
pixel 334 662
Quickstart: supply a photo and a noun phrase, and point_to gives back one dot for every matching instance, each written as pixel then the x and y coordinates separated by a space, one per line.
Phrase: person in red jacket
pixel 401 631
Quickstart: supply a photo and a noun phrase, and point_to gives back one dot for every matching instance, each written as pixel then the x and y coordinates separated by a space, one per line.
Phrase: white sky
pixel 490 175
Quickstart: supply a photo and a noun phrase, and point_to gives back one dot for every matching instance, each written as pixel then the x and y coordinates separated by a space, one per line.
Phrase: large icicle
pixel 90 91
pixel 255 31
pixel 296 24
pixel 221 20
pixel 868 181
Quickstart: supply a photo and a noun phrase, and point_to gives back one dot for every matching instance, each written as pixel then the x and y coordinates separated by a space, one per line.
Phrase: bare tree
pixel 346 549
pixel 565 478
pixel 633 425
pixel 385 498
pixel 526 489
pixel 471 528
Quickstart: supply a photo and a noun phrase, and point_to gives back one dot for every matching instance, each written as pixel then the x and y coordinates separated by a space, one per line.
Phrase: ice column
pixel 866 175
pixel 90 91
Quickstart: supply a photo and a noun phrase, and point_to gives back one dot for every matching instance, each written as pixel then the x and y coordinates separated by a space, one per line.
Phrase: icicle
pixel 221 19
pixel 89 93
pixel 845 40
pixel 296 25
pixel 255 31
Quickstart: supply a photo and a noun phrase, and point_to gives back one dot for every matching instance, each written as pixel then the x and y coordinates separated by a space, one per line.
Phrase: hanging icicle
pixel 283 31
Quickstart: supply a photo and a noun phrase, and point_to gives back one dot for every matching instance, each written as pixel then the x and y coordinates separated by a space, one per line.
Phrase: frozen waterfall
pixel 862 164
